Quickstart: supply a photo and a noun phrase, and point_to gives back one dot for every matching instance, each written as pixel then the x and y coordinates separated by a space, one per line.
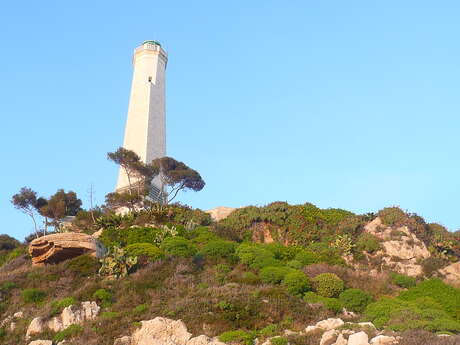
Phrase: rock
pixel 311 329
pixel 220 212
pixel 360 338
pixel 71 315
pixel 451 273
pixel 341 340
pixel 400 254
pixel 366 324
pixel 59 247
pixel 123 341
pixel 289 332
pixel 383 340
pixel 41 342
pixel 329 337
pixel 329 324
pixel 204 340
pixel 161 331
pixel 36 326
pixel 18 315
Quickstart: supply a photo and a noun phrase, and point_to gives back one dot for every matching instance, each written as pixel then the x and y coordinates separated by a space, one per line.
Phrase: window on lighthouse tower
pixel 150 79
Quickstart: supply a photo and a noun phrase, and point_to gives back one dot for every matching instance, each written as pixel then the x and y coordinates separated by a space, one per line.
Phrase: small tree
pixel 60 205
pixel 177 176
pixel 27 202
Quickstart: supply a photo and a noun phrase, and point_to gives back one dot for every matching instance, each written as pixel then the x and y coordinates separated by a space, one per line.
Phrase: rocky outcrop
pixel 220 212
pixel 451 274
pixel 401 249
pixel 163 331
pixel 71 315
pixel 41 342
pixel 59 247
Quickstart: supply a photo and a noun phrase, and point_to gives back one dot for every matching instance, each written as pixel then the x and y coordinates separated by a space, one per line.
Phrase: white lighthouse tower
pixel 145 131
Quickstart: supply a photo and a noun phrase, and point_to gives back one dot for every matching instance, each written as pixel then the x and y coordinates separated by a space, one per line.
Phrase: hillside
pixel 280 274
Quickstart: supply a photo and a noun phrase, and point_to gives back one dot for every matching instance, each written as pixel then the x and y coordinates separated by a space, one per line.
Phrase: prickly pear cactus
pixel 117 264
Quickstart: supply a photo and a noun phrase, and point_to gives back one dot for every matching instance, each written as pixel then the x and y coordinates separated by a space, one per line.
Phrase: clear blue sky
pixel 351 104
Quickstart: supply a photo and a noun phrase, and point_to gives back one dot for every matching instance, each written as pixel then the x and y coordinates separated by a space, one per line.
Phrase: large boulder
pixel 401 249
pixel 360 338
pixel 71 315
pixel 451 273
pixel 59 247
pixel 163 331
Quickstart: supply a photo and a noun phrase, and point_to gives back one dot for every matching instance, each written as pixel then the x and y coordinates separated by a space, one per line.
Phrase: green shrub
pixel 296 283
pixel 112 237
pixel 355 299
pixel 328 285
pixel 218 249
pixel 33 295
pixel 201 235
pixel 422 313
pixel 104 297
pixel 367 243
pixel 58 306
pixel 179 246
pixel 306 257
pixel 273 274
pixel 83 265
pixel 279 341
pixel 255 255
pixel 294 264
pixel 110 315
pixel 432 265
pixel 332 304
pixel 240 336
pixel 145 249
pixel 139 309
pixel 268 331
pixel 68 333
pixel 7 286
pixel 392 216
pixel 402 280
pixel 8 242
pixel 250 278
pixel 447 296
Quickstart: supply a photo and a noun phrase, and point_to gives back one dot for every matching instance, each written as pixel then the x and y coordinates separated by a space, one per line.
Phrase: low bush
pixel 58 306
pixel 296 283
pixel 328 284
pixel 255 256
pixel 83 265
pixel 306 257
pixel 355 300
pixel 250 278
pixel 8 242
pixel 367 243
pixel 332 304
pixel 447 296
pixel 279 341
pixel 104 297
pixel 402 280
pixel 422 313
pixel 218 249
pixel 392 216
pixel 239 336
pixel 179 246
pixel 68 333
pixel 431 265
pixel 145 249
pixel 33 295
pixel 294 264
pixel 273 274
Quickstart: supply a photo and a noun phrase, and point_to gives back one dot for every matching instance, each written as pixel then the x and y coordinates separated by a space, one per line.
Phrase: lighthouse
pixel 145 131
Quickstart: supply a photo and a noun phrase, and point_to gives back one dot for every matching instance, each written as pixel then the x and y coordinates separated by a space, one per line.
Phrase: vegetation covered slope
pixel 225 279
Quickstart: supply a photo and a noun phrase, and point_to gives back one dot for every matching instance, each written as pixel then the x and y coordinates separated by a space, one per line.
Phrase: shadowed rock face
pixel 55 248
